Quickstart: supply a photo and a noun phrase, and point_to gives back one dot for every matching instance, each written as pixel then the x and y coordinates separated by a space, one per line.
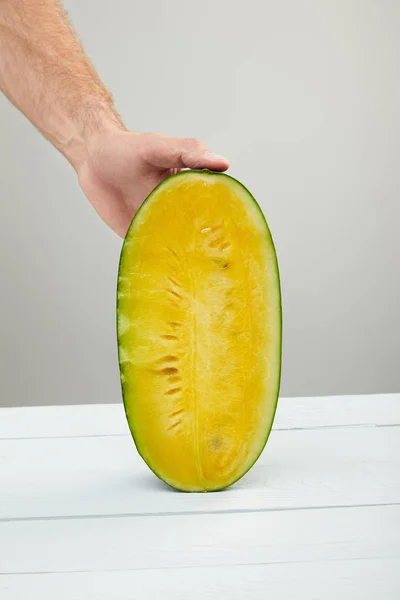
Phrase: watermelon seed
pixel 173 391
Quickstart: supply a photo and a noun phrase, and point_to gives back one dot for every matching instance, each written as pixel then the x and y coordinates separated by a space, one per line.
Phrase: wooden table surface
pixel 318 516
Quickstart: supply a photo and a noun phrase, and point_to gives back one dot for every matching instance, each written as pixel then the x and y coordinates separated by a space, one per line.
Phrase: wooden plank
pixel 105 475
pixel 339 411
pixel 62 421
pixel 205 540
pixel 88 420
pixel 367 579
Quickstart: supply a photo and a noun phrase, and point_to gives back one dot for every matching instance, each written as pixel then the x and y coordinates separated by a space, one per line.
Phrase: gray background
pixel 303 97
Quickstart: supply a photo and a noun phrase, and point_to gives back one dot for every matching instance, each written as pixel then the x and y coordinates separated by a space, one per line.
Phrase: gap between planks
pixel 109 435
pixel 195 567
pixel 226 511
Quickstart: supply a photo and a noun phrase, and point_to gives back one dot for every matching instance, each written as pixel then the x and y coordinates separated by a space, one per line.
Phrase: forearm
pixel 45 73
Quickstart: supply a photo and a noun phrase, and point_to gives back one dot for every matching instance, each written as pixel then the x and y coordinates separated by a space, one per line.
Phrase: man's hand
pixel 46 74
pixel 122 168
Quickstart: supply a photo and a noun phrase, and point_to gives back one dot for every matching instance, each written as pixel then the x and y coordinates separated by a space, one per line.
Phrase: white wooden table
pixel 318 517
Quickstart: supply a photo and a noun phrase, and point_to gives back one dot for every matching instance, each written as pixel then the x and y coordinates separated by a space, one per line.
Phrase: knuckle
pixel 194 143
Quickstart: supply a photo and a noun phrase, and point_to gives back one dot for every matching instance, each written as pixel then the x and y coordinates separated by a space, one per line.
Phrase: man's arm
pixel 46 75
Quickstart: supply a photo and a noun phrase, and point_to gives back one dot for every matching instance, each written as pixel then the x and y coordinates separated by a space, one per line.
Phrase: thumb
pixel 169 152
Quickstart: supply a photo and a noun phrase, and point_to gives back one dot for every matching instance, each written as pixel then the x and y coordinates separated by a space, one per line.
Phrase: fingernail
pixel 214 156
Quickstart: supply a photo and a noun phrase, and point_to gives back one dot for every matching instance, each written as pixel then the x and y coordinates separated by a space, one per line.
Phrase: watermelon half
pixel 199 328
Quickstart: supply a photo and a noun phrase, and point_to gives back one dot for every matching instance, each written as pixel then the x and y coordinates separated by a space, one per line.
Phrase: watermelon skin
pixel 212 468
